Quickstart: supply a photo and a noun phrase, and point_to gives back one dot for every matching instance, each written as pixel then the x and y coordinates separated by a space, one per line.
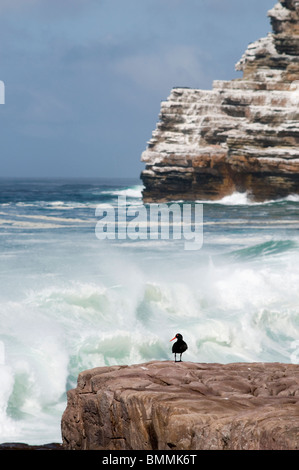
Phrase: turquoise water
pixel 69 301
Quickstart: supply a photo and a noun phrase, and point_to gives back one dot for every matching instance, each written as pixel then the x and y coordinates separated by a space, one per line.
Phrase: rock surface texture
pixel 242 135
pixel 184 406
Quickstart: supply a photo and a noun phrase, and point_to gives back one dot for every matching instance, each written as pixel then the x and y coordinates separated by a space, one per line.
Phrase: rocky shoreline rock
pixel 242 135
pixel 24 446
pixel 184 406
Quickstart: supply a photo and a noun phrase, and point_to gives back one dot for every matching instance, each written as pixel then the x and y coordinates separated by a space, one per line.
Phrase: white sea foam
pixel 133 308
pixel 292 198
pixel 55 205
pixel 235 199
pixel 31 225
pixel 226 313
pixel 8 427
pixel 133 192
pixel 241 199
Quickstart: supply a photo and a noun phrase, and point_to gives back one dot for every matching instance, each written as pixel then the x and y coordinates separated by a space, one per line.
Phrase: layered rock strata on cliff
pixel 243 135
pixel 184 406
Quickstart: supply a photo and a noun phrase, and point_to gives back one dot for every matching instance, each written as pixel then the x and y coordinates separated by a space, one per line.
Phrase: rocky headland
pixel 242 135
pixel 184 406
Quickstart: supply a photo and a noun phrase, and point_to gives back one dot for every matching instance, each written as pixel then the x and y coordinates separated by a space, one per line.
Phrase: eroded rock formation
pixel 184 406
pixel 242 135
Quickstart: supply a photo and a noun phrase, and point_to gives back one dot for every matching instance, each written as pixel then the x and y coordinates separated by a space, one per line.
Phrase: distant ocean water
pixel 69 301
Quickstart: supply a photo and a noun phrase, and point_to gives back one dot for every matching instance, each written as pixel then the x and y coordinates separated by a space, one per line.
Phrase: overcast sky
pixel 84 78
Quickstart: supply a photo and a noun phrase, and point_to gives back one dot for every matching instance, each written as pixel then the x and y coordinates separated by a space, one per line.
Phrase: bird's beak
pixel 173 339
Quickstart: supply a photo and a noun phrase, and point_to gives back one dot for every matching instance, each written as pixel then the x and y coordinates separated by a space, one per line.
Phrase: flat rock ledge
pixel 184 406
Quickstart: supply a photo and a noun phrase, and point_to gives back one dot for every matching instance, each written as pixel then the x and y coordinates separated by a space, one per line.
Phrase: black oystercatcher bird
pixel 179 346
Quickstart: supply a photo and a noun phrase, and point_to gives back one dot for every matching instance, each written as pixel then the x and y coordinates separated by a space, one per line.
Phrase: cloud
pixel 15 4
pixel 170 66
pixel 54 8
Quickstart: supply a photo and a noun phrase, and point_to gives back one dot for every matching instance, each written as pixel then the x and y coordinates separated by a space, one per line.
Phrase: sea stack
pixel 242 135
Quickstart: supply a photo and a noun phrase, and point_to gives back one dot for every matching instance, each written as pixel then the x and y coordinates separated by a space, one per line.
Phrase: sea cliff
pixel 242 135
pixel 184 406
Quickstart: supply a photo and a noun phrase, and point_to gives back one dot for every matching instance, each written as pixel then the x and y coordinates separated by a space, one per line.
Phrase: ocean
pixel 71 301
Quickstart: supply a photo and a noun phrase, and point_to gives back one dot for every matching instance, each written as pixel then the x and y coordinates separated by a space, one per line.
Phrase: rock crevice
pixel 242 135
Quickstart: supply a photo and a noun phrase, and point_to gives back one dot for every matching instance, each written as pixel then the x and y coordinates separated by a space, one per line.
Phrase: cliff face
pixel 184 406
pixel 242 135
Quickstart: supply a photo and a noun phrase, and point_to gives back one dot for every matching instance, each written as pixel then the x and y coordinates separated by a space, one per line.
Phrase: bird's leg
pixel 181 357
pixel 174 357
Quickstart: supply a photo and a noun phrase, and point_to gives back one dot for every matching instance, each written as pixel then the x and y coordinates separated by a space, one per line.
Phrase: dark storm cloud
pixel 84 78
